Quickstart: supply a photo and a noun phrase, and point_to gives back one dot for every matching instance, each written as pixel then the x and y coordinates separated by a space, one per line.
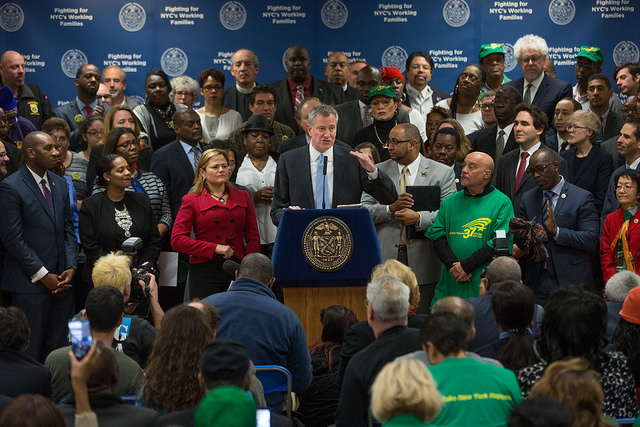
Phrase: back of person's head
pixel 31 410
pixel 104 377
pixel 406 276
pixel 336 320
pixel 619 285
pixel 104 308
pixel 258 267
pixel 405 387
pixel 513 305
pixel 226 406
pixel 177 350
pixel 211 314
pixel 459 307
pixel 112 270
pixel 224 362
pixel 503 268
pixel 627 334
pixel 573 325
pixel 574 384
pixel 14 329
pixel 540 412
pixel 388 297
pixel 446 331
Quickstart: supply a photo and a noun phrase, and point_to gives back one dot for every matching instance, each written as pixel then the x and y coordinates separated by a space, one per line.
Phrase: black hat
pixel 259 123
pixel 224 359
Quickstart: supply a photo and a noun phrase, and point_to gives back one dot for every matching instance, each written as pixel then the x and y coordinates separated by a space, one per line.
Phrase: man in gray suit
pixel 392 221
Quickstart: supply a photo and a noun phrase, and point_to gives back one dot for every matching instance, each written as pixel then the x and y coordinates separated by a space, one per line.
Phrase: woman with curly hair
pixel 173 366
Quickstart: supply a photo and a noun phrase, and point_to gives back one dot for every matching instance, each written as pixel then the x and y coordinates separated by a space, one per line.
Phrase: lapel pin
pixel 424 173
pixel 564 196
pixel 53 184
pixel 635 221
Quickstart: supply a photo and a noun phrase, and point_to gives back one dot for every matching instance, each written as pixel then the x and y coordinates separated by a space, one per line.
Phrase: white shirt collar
pixel 415 93
pixel 245 91
pixel 413 169
pixel 507 131
pixel 314 154
pixel 532 150
pixel 38 178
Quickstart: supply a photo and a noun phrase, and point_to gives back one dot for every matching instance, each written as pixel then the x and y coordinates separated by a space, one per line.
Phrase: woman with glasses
pixel 588 166
pixel 217 120
pixel 384 111
pixel 184 90
pixel 464 102
pixel 123 142
pixel 620 243
pixel 90 129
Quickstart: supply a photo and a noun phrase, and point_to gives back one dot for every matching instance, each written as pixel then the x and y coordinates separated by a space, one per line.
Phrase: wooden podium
pixel 324 257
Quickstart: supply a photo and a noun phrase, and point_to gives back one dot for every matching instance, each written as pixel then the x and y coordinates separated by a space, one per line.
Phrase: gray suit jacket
pixel 422 258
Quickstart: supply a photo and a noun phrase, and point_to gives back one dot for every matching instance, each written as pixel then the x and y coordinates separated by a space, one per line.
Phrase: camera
pixel 132 247
pixel 501 244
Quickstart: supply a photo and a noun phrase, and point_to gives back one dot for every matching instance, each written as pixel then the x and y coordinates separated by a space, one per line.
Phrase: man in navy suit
pixel 536 87
pixel 300 84
pixel 244 67
pixel 337 72
pixel 299 176
pixel 40 245
pixel 569 216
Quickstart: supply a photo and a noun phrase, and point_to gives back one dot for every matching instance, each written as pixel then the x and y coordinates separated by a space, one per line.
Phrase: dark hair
pixel 104 308
pixel 85 123
pixel 513 305
pixel 602 77
pixel 540 412
pixel 576 105
pixel 635 122
pixel 264 89
pixel 627 340
pixel 540 119
pixel 112 139
pixel 214 73
pixel 447 131
pixel 414 55
pixel 31 410
pixel 446 331
pixel 573 325
pixel 104 165
pixel 634 68
pixel 14 329
pixel 370 146
pixel 56 123
pixel 632 174
pixel 456 94
pixel 158 72
pixel 104 376
pixel 511 91
pixel 336 320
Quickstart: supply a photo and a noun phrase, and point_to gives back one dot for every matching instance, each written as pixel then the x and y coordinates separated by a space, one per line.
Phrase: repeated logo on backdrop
pixel 233 15
pixel 11 17
pixel 132 17
pixel 395 56
pixel 174 61
pixel 72 60
pixel 334 14
pixel 625 51
pixel 456 12
pixel 562 12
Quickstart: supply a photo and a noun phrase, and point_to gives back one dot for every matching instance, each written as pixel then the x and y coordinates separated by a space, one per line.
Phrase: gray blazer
pixel 422 258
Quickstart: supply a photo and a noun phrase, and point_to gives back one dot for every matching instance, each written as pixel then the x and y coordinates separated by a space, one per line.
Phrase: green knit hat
pixel 382 90
pixel 488 49
pixel 227 406
pixel 591 53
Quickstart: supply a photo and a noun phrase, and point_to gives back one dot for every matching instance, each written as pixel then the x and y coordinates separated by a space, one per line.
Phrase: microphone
pixel 324 180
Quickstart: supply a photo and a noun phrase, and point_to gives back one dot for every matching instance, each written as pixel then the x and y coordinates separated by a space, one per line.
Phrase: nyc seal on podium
pixel 327 244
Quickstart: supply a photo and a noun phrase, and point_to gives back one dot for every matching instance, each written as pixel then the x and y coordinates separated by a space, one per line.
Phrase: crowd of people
pixel 505 211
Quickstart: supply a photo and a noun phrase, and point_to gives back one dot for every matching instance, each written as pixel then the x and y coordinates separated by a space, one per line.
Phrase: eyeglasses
pixel 488 106
pixel 396 143
pixel 3 155
pixel 533 59
pixel 94 132
pixel 107 96
pixel 127 145
pixel 572 128
pixel 184 93
pixel 209 88
pixel 540 169
pixel 628 110
pixel 472 78
pixel 625 187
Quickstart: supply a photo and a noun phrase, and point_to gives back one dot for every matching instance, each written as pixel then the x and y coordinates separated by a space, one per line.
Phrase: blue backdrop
pixel 185 37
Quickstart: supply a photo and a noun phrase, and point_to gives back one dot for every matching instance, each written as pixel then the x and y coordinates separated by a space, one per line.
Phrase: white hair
pixel 389 298
pixel 619 285
pixel 530 40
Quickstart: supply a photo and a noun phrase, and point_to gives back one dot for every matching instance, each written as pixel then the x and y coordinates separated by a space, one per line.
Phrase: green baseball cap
pixel 382 90
pixel 591 53
pixel 488 49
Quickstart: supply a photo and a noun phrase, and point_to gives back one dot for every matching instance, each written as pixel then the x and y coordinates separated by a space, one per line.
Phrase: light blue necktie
pixel 321 182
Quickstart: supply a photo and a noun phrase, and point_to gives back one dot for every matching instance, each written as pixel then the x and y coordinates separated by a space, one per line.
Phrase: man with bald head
pixel 244 68
pixel 337 72
pixel 40 245
pixel 32 103
pixel 300 84
pixel 464 230
pixel 568 214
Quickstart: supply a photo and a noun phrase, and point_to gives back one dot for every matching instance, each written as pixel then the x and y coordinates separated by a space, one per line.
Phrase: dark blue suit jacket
pixel 31 236
pixel 548 94
pixel 577 221
pixel 230 100
pixel 293 182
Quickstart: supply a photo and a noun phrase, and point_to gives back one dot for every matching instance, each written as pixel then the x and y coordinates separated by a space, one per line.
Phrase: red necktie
pixel 521 169
pixel 88 110
pixel 299 98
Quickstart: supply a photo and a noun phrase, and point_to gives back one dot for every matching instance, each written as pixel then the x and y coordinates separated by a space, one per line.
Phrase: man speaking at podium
pixel 322 175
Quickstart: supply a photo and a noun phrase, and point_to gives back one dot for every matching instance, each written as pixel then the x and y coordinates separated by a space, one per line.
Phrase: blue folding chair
pixel 276 378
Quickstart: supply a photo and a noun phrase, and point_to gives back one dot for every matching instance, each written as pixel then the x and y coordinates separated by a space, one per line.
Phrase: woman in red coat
pixel 222 219
pixel 621 236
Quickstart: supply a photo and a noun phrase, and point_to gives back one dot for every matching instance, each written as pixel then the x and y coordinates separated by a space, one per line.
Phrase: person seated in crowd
pixel 179 390
pixel 620 237
pixel 108 407
pixel 559 140
pixel 110 217
pixel 627 334
pixel 156 114
pixel 276 336
pixel 31 410
pixel 361 334
pixel 393 77
pixel 486 105
pixel 493 391
pixel 370 150
pixel 404 393
pixel 218 121
pixel 123 142
pixel 540 412
pixel 104 309
pixel 464 102
pixel 576 385
pixel 184 90
pixel 574 325
pixel 20 373
pixel 19 127
pixel 615 291
pixel 318 404
pixel 387 305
